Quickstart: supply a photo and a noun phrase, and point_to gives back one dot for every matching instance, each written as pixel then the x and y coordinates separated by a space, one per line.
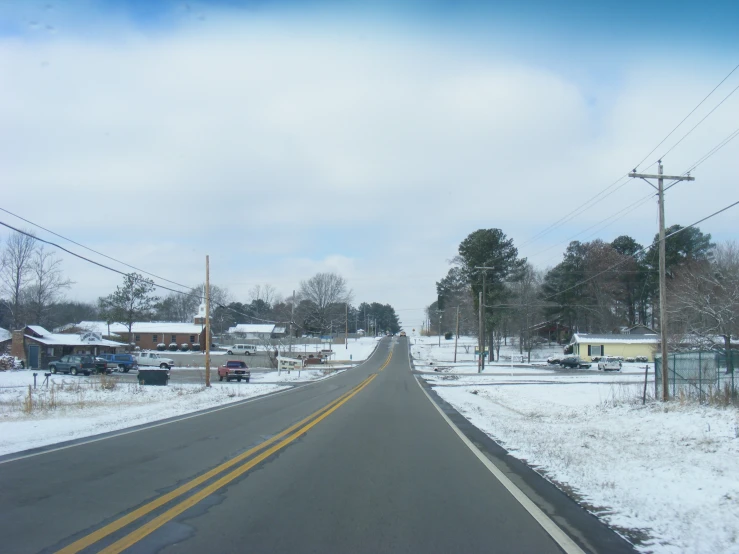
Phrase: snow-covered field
pixel 78 407
pixel 665 476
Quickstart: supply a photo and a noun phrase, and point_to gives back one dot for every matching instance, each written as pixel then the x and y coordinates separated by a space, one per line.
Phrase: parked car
pixel 402 333
pixel 608 363
pixel 247 349
pixel 121 362
pixel 553 360
pixel 573 362
pixel 234 369
pixel 154 359
pixel 76 364
pixel 108 366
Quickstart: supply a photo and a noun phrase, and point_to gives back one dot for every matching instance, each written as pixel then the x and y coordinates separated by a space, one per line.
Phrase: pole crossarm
pixel 660 177
pixel 670 177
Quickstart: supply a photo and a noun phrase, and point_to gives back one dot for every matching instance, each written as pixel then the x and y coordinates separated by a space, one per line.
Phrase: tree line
pixel 33 287
pixel 597 287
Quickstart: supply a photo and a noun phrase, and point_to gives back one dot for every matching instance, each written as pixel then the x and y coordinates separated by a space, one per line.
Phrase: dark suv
pixel 77 363
pixel 124 362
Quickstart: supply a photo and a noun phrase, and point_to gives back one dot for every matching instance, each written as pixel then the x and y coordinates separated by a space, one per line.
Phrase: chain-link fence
pixel 700 375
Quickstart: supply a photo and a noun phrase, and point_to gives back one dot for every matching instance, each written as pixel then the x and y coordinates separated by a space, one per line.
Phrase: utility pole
pixel 346 332
pixel 662 272
pixel 456 337
pixel 439 328
pixel 482 316
pixel 207 321
pixel 292 318
pixel 479 332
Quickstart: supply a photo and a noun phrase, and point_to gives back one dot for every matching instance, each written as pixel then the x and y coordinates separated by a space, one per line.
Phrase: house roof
pixel 624 339
pixel 263 328
pixel 5 335
pixel 278 330
pixel 39 334
pixel 158 327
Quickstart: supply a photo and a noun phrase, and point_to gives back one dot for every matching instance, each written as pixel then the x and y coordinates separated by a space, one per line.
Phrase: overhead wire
pixel 686 117
pixel 644 249
pixel 91 250
pixel 158 285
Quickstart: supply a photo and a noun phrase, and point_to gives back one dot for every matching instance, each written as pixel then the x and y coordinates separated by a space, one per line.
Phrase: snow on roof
pixel 5 335
pixel 162 327
pixel 38 330
pixel 626 339
pixel 62 339
pixel 252 328
pixel 279 330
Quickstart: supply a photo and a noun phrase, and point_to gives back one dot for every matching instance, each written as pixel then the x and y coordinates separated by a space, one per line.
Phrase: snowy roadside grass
pixel 73 408
pixel 302 376
pixel 664 476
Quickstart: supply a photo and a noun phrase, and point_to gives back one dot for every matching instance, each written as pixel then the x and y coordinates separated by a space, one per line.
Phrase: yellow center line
pixel 390 357
pixel 148 528
pixel 114 526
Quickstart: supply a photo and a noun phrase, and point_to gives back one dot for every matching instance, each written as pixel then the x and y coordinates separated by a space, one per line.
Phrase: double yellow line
pixel 278 442
pixel 390 357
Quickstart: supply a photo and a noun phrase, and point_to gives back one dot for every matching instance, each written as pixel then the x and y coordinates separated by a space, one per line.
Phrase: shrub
pixel 185 346
pixel 595 358
pixel 448 335
pixel 196 347
pixel 630 360
pixel 173 346
pixel 161 346
pixel 641 359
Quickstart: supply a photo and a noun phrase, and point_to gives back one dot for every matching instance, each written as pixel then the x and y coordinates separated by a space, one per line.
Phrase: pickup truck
pixel 76 364
pixel 234 369
pixel 153 359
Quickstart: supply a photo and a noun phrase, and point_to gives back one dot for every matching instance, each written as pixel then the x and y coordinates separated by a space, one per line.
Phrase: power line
pixel 642 250
pixel 686 117
pixel 701 121
pixel 158 285
pixel 90 249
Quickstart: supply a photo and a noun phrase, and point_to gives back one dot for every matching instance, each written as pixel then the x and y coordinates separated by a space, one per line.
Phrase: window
pixel 155 337
pixel 594 350
pixel 137 338
pixel 192 338
pixel 174 338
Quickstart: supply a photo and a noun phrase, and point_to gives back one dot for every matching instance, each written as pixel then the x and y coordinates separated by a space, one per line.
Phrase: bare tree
pixel 265 293
pixel 324 291
pixel 47 283
pixel 16 271
pixel 525 297
pixel 704 296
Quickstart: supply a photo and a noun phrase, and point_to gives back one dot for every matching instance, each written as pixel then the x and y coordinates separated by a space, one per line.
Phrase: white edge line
pixel 177 419
pixel 559 536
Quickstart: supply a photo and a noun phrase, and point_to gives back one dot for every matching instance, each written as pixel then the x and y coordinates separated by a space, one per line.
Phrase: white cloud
pixel 280 150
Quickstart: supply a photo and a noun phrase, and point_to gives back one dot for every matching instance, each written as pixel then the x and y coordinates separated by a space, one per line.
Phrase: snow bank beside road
pixel 665 471
pixel 78 407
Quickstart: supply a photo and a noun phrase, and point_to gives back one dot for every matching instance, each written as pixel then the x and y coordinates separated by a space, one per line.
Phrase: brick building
pixel 148 335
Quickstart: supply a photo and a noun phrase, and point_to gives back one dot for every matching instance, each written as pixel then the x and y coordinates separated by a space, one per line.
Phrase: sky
pixel 285 138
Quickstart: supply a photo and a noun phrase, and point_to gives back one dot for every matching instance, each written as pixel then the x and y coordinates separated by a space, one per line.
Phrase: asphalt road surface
pixel 362 462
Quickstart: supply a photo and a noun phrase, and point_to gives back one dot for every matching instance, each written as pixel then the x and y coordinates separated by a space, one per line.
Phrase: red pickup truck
pixel 234 369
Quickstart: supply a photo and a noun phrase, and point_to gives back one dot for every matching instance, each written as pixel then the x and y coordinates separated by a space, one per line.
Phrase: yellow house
pixel 629 346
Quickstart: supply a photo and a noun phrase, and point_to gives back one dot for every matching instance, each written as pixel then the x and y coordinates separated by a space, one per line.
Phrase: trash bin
pixel 153 376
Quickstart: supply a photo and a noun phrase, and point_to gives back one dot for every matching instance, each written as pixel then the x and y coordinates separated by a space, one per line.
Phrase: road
pixel 361 462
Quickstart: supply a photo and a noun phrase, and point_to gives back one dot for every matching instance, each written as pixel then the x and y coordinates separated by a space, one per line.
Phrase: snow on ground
pixel 355 350
pixel 428 353
pixel 81 407
pixel 300 376
pixel 663 475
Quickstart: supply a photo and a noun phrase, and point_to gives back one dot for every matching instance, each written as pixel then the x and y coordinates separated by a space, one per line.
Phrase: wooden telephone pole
pixel 662 272
pixel 207 321
pixel 456 337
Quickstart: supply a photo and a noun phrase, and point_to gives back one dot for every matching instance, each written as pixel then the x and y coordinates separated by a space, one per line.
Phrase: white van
pixel 247 349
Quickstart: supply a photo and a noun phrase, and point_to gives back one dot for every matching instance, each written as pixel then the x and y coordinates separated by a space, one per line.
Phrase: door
pixel 33 353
